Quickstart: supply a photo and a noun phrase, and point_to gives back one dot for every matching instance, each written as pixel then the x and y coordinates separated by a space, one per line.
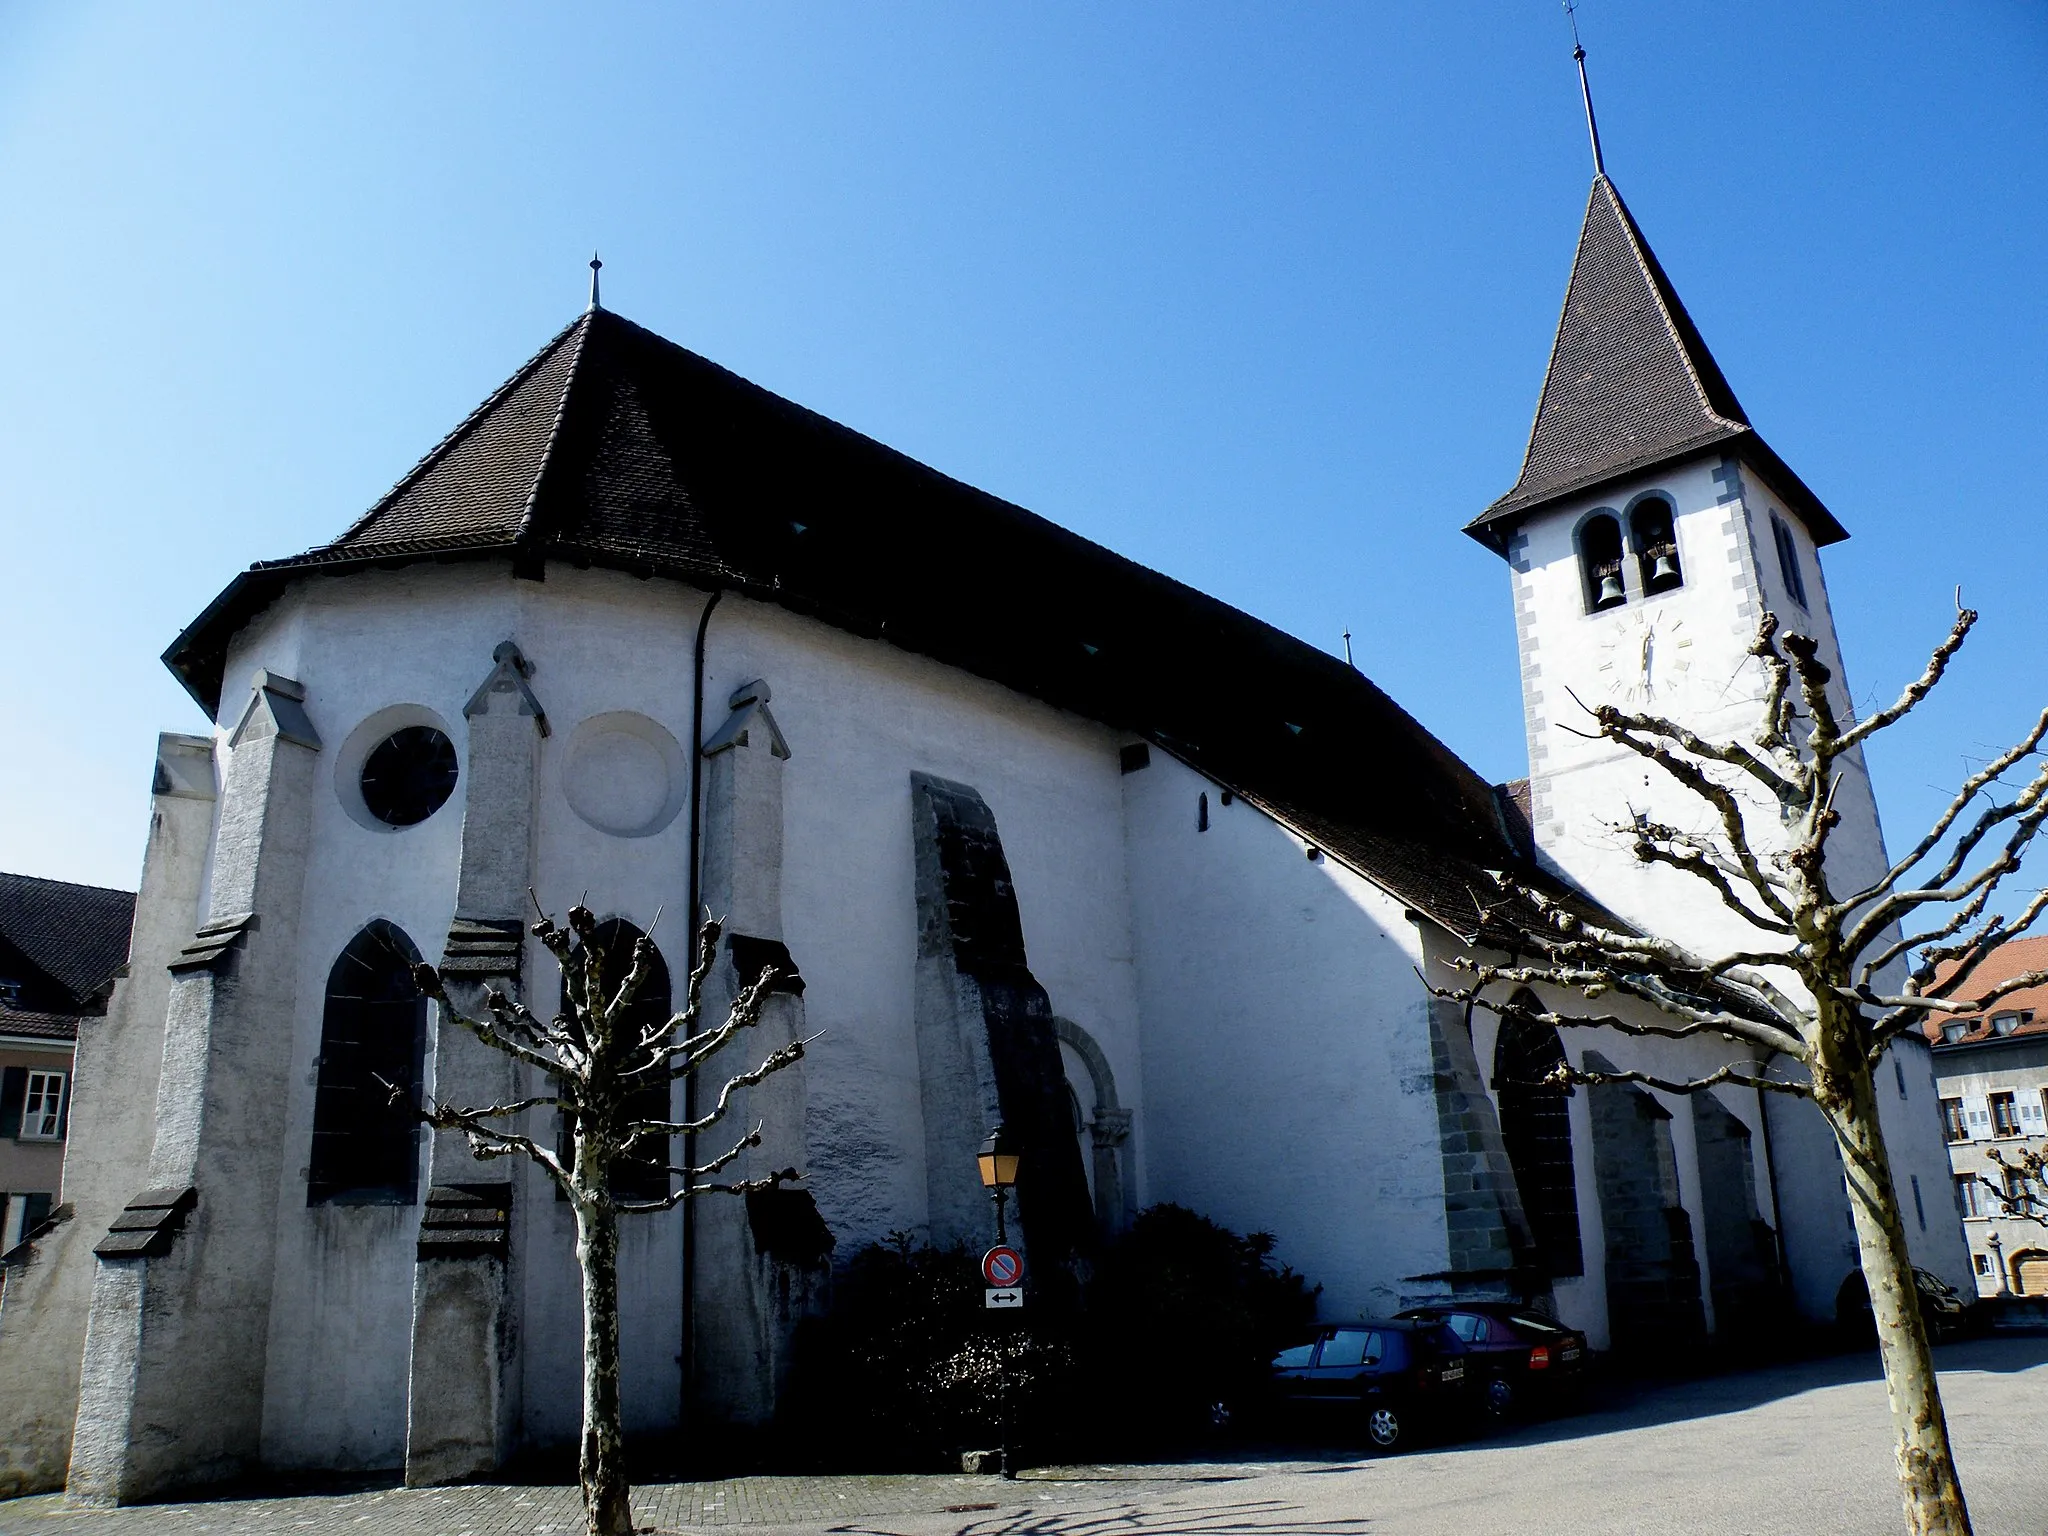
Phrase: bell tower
pixel 1650 527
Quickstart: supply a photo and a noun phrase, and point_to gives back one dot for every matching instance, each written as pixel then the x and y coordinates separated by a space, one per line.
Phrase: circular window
pixel 408 776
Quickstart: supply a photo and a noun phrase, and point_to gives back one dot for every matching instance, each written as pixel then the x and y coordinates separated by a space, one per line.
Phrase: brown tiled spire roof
pixel 1631 386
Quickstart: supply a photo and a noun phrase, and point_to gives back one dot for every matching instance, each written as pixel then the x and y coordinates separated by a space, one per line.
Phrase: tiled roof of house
pixel 1631 386
pixel 77 935
pixel 616 448
pixel 57 1027
pixel 2027 1008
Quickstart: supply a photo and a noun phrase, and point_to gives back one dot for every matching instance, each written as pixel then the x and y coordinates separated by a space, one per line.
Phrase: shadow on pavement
pixel 1258 1517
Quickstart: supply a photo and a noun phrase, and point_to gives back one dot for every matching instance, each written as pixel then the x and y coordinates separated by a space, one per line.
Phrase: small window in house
pixel 1600 562
pixel 1952 1120
pixel 1969 1200
pixel 1788 560
pixel 42 1109
pixel 1955 1029
pixel 10 992
pixel 2005 1116
pixel 2004 1023
pixel 1919 1209
pixel 1983 1262
pixel 408 776
pixel 1202 812
pixel 2019 1193
pixel 1899 1073
pixel 1655 540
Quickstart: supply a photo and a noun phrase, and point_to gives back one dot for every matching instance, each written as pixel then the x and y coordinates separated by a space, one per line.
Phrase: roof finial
pixel 595 264
pixel 1585 90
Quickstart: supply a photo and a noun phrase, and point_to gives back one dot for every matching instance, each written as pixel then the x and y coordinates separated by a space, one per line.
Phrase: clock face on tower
pixel 1647 659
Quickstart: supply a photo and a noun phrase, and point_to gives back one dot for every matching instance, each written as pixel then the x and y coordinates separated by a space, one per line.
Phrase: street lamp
pixel 999 1159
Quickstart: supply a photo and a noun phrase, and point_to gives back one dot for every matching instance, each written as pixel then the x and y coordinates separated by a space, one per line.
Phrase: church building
pixel 1036 835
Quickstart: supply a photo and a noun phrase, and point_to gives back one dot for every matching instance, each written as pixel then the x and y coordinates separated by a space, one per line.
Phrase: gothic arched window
pixel 1654 537
pixel 644 1175
pixel 1535 1122
pixel 373 1039
pixel 1600 562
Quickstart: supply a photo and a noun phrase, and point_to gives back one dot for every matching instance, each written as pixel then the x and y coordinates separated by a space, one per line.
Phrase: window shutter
pixel 13 1093
pixel 64 1110
pixel 36 1210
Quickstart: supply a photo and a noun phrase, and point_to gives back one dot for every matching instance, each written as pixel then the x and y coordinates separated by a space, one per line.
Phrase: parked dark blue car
pixel 1387 1376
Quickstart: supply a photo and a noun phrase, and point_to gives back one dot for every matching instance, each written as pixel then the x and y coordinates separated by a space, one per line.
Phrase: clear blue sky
pixel 1259 295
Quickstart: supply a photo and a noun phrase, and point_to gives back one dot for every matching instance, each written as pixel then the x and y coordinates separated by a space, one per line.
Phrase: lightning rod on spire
pixel 595 265
pixel 1585 89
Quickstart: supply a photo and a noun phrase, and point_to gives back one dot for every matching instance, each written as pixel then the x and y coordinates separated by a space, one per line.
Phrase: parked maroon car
pixel 1516 1355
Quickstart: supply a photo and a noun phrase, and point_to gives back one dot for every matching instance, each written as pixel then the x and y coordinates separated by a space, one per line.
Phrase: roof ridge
pixel 1685 338
pixel 462 430
pixel 75 885
pixel 529 519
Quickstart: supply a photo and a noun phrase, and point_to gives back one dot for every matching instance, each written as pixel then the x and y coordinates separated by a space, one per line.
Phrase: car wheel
pixel 1221 1415
pixel 1383 1427
pixel 1499 1397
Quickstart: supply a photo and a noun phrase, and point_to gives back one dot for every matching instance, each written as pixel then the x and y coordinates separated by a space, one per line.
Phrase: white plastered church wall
pixel 1287 1063
pixel 861 716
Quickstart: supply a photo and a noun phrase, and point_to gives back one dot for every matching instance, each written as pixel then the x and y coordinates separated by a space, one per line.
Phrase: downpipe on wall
pixel 687 1357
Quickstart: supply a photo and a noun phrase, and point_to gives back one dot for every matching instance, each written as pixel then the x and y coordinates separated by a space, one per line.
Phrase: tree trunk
pixel 1927 1471
pixel 607 1497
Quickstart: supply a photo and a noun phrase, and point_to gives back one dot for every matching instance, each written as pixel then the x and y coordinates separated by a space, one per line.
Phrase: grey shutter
pixel 64 1109
pixel 13 1094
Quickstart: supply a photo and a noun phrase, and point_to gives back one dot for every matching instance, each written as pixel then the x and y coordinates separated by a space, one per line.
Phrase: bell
pixel 1610 589
pixel 1666 569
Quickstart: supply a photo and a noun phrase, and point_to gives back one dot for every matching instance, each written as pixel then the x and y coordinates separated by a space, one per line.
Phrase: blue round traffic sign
pixel 1002 1267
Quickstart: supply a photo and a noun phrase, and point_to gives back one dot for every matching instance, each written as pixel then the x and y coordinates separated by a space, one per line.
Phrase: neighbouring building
pixel 61 946
pixel 1041 835
pixel 1992 1068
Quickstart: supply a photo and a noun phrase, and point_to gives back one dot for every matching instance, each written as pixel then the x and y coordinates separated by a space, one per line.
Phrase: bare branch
pixel 1919 688
pixel 1731 1073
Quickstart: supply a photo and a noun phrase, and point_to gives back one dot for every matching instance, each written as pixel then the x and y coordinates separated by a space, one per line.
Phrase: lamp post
pixel 998 1159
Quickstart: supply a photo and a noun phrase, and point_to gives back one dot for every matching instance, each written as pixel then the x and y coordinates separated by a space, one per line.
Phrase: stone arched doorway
pixel 1103 1126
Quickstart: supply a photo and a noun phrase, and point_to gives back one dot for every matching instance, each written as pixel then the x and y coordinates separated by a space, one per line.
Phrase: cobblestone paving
pixel 515 1511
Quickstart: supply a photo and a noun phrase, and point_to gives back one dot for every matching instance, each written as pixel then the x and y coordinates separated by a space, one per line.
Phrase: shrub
pixel 907 1368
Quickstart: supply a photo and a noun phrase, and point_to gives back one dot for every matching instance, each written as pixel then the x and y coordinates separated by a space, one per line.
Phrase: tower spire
pixel 1585 89
pixel 595 265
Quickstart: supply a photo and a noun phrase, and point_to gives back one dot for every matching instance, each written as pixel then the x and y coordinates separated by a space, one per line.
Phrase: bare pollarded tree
pixel 1808 999
pixel 603 1072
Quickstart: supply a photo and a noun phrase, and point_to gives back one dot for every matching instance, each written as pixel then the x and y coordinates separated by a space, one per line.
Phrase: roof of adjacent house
pixel 1631 386
pixel 616 448
pixel 77 935
pixel 57 1028
pixel 2029 1005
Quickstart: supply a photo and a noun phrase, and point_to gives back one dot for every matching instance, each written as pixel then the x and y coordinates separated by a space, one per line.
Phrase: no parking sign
pixel 1002 1267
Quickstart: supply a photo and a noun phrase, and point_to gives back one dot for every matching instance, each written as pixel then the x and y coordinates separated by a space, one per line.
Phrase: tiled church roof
pixel 619 449
pixel 1631 385
pixel 77 935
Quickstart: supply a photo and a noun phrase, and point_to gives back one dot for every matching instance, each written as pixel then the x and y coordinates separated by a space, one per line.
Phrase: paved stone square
pixel 1790 1451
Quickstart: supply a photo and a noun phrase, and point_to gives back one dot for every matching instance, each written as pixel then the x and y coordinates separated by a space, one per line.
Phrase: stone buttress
pixel 171 1383
pixel 462 1388
pixel 760 1263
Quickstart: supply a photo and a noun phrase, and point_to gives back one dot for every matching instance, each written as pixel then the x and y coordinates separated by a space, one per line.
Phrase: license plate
pixel 1569 1352
pixel 1454 1373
